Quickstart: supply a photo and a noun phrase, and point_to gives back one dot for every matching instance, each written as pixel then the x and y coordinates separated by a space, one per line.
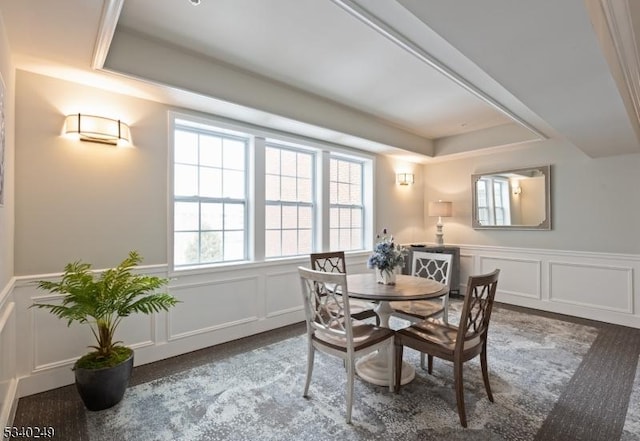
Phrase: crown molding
pixel 365 16
pixel 108 21
pixel 618 17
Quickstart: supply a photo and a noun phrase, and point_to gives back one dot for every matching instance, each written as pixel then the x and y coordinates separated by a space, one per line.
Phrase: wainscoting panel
pixel 8 377
pixel 206 307
pixel 48 330
pixel 280 297
pixel 139 330
pixel 466 270
pixel 588 285
pixel 518 277
pixel 598 286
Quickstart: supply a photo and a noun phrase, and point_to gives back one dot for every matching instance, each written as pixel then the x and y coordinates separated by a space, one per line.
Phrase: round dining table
pixel 374 367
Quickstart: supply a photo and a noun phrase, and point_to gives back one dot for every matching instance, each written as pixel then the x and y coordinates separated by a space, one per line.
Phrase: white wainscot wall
pixel 598 286
pixel 8 372
pixel 216 306
pixel 241 300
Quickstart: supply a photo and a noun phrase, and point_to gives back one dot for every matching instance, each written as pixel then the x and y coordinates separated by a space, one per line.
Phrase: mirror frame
pixel 544 225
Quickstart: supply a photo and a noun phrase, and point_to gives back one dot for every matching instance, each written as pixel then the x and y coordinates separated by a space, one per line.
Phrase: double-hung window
pixel 242 192
pixel 494 206
pixel 289 201
pixel 482 201
pixel 210 195
pixel 346 212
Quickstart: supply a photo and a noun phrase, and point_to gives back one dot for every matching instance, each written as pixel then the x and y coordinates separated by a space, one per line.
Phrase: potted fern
pixel 102 301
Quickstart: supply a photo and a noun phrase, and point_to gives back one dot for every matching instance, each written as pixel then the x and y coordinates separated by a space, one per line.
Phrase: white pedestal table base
pixel 374 367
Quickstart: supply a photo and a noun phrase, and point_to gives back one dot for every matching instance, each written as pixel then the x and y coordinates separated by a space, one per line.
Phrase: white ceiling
pixel 421 79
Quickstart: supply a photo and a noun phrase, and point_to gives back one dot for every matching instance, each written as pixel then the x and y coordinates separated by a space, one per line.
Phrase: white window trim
pixel 255 191
pixel 274 143
pixel 249 179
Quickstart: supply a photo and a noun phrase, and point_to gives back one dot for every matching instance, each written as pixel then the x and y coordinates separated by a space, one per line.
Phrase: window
pixel 346 223
pixel 494 206
pixel 289 201
pixel 243 193
pixel 210 196
pixel 483 201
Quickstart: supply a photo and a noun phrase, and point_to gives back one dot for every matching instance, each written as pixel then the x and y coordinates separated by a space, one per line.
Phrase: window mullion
pixel 323 198
pixel 258 227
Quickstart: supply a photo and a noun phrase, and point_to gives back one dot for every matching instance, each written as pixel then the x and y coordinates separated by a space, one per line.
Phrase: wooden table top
pixel 364 286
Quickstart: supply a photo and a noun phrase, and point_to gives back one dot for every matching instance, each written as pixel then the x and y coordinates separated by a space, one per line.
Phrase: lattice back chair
pixel 331 330
pixel 334 262
pixel 456 343
pixel 435 266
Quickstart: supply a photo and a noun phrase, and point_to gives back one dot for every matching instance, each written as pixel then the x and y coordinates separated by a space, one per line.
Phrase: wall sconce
pixel 440 209
pixel 97 129
pixel 517 190
pixel 405 178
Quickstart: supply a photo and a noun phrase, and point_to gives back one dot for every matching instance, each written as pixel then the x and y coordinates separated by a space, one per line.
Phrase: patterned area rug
pixel 631 430
pixel 257 395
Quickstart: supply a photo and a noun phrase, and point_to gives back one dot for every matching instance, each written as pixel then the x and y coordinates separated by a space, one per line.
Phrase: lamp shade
pixel 440 208
pixel 97 129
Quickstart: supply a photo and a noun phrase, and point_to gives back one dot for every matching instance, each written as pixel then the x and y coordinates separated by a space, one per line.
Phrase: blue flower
pixel 386 255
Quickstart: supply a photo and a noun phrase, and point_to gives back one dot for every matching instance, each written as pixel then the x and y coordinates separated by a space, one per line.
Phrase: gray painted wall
pixel 7 211
pixel 595 203
pixel 78 200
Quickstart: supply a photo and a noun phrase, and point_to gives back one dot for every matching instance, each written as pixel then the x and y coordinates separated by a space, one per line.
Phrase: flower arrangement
pixel 386 257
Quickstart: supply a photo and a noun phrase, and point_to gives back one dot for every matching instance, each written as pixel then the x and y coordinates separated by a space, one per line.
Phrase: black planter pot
pixel 103 388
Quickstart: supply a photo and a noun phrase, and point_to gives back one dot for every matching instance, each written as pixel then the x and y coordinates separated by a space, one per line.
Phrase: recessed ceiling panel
pixel 318 47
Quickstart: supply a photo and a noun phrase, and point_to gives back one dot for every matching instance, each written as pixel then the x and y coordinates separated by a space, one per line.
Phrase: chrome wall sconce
pixel 97 129
pixel 405 178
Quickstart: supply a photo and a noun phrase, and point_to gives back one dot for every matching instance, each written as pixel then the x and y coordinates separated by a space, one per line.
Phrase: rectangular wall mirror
pixel 512 199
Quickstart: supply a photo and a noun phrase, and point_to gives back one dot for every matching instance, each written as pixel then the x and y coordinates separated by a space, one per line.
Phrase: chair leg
pixel 445 314
pixel 391 359
pixel 350 375
pixel 430 364
pixel 457 374
pixel 485 372
pixel 422 360
pixel 398 348
pixel 310 354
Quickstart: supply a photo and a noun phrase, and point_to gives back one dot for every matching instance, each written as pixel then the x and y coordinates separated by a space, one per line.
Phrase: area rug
pixel 631 430
pixel 257 395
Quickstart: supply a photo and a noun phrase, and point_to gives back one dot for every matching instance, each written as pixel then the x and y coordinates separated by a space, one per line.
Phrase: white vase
pixel 386 277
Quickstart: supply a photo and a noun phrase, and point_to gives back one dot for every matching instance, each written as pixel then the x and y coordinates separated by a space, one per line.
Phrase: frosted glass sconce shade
pixel 97 129
pixel 405 178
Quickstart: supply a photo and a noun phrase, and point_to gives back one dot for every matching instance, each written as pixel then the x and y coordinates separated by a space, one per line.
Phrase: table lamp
pixel 440 209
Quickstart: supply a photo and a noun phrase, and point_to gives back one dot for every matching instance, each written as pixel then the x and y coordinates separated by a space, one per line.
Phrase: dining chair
pixel 333 331
pixel 456 343
pixel 435 266
pixel 334 262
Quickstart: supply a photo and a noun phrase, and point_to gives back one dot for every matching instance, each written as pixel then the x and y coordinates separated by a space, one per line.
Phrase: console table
pixel 455 261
